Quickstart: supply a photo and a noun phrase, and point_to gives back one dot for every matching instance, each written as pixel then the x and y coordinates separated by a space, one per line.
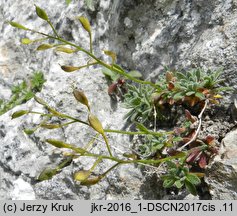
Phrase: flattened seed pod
pixel 81 97
pixel 91 181
pixel 82 175
pixel 69 68
pixel 95 123
pixel 85 23
pixel 19 113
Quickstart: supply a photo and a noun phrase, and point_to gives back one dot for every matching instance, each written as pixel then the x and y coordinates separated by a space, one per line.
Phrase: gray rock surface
pixel 222 172
pixel 178 34
pixel 24 157
pixel 147 35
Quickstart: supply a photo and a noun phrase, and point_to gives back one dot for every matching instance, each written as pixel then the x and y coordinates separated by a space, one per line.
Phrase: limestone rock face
pixel 222 172
pixel 23 157
pixel 147 35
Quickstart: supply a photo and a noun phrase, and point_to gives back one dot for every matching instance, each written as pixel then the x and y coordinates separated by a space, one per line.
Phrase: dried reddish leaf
pixel 213 150
pixel 209 139
pixel 190 117
pixel 194 101
pixel 189 137
pixel 205 91
pixel 112 88
pixel 192 134
pixel 170 86
pixel 121 82
pixel 193 155
pixel 202 161
pixel 179 130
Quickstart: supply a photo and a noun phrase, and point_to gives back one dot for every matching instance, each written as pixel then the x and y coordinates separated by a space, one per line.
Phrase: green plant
pixel 177 150
pixel 190 88
pixel 118 85
pixel 138 100
pixel 179 175
pixel 153 145
pixel 23 92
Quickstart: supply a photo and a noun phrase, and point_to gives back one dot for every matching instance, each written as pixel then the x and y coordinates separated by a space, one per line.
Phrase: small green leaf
pixel 171 164
pixel 190 187
pixel 178 96
pixel 69 68
pixel 44 47
pixel 198 74
pixel 181 75
pixel 65 50
pixel 190 93
pixel 111 54
pixel 118 68
pixel 95 123
pixel 108 72
pixel 193 179
pixel 169 182
pixel 41 13
pixel 47 174
pixel 29 131
pixel 112 75
pixel 85 23
pixel 177 139
pixel 200 95
pixel 66 162
pixel 179 184
pixel 135 74
pixel 19 113
pixel 17 25
pixel 26 41
pixel 141 127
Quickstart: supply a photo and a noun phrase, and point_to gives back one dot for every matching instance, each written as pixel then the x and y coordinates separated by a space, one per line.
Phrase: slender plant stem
pixel 95 164
pixel 107 144
pixel 91 50
pixel 198 129
pixel 72 118
pixel 110 169
pixel 54 30
pixel 39 113
pixel 137 132
pixel 68 123
pixel 115 69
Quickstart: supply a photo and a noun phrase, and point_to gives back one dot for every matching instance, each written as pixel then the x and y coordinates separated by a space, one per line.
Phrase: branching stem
pixel 198 129
pixel 102 63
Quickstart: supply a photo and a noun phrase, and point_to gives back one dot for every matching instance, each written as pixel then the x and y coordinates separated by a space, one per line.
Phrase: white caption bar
pixel 114 208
